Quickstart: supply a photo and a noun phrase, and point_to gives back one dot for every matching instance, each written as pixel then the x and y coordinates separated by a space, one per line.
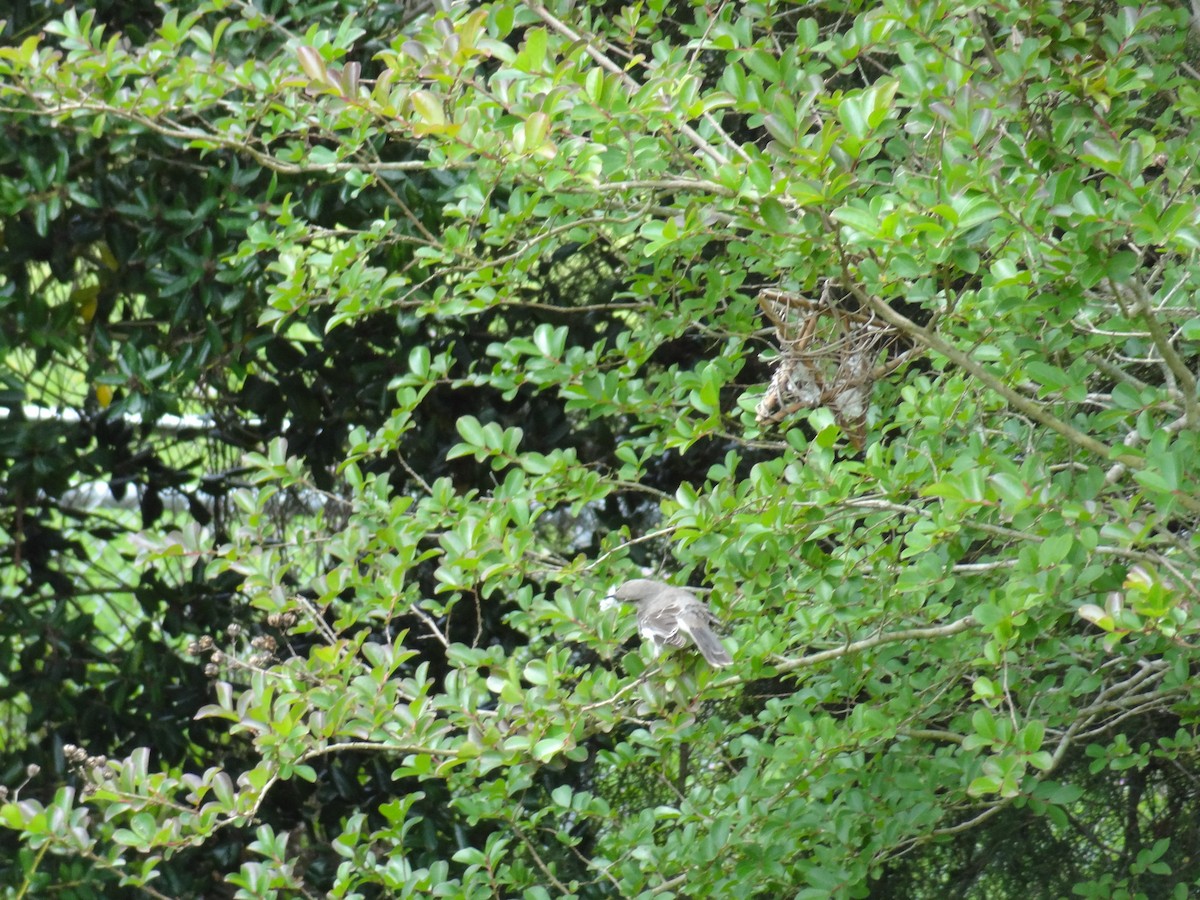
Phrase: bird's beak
pixel 609 602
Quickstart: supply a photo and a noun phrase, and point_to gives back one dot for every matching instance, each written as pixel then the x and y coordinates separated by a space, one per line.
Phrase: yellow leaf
pixel 428 108
pixel 84 299
pixel 107 257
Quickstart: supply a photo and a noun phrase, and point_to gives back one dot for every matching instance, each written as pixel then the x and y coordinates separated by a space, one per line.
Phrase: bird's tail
pixel 711 648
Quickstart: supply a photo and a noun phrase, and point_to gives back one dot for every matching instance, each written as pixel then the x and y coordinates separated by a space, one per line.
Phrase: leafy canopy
pixel 513 280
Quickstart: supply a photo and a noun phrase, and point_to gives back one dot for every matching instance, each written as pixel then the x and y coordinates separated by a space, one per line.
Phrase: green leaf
pixel 470 856
pixel 976 211
pixel 1122 265
pixel 775 215
pixel 1054 548
pixel 471 430
pixel 549 747
pixel 532 56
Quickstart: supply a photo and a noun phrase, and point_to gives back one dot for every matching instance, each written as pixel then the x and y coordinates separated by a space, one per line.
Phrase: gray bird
pixel 665 614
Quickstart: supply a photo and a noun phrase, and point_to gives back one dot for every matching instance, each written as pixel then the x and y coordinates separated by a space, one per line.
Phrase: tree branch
pixel 911 634
pixel 1162 342
pixel 1017 400
pixel 608 65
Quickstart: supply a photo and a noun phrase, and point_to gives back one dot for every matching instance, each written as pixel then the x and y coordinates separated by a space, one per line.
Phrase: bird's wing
pixel 694 621
pixel 660 621
pixel 694 616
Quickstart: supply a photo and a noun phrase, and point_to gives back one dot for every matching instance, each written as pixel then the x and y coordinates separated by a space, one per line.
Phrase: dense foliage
pixel 390 336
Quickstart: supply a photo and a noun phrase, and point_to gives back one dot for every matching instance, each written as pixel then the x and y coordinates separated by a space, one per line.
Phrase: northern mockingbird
pixel 665 614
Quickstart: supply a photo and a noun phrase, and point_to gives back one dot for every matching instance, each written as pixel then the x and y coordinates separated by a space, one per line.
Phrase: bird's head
pixel 634 591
